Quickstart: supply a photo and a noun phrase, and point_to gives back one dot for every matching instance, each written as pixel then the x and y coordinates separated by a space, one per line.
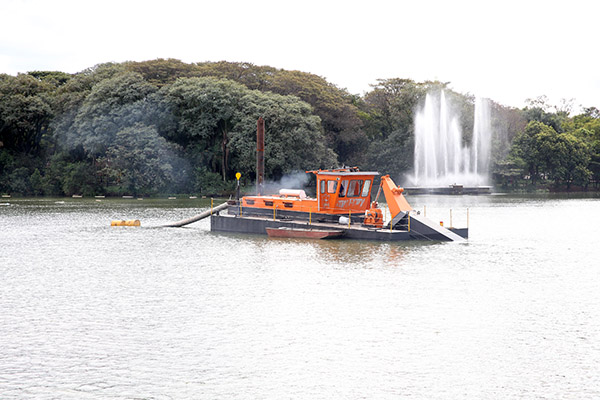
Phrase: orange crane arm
pixel 393 196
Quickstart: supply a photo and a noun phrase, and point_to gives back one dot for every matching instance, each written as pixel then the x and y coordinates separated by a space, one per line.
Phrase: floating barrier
pixel 129 222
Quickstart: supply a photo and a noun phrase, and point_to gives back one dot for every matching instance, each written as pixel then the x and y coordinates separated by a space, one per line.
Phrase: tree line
pixel 164 126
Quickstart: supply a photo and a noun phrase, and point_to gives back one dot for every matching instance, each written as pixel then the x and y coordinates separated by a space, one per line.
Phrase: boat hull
pixel 256 221
pixel 257 225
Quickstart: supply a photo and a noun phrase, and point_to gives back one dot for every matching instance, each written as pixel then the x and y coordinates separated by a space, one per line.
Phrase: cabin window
pixel 288 205
pixel 322 186
pixel 250 202
pixel 366 187
pixel 354 188
pixel 331 186
pixel 343 188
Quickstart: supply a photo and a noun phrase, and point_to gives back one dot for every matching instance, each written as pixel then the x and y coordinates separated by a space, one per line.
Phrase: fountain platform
pixel 449 190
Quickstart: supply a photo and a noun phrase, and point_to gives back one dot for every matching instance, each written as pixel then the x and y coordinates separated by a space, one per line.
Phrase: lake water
pixel 89 311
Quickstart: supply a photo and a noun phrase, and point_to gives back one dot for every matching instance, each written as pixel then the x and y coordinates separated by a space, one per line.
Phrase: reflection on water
pixel 93 311
pixel 344 253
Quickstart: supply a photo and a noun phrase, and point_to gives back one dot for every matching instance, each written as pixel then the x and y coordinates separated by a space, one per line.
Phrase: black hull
pixel 255 221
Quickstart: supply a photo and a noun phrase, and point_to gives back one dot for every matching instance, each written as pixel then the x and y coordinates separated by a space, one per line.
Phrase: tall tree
pixel 204 110
pixel 539 109
pixel 140 161
pixel 544 153
pixel 111 105
pixel 339 115
pixel 294 139
pixel 216 120
pixel 389 120
pixel 526 148
pixel 337 109
pixel 25 112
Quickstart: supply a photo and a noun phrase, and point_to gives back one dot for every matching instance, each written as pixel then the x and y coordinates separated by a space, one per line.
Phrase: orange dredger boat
pixel 343 202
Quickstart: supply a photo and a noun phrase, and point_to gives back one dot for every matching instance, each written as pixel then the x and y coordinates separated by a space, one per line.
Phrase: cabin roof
pixel 346 173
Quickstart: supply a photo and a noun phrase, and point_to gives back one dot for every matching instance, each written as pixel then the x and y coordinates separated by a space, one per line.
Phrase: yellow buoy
pixel 129 222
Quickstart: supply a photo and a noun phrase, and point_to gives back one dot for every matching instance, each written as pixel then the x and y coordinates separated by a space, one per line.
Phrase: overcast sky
pixel 505 50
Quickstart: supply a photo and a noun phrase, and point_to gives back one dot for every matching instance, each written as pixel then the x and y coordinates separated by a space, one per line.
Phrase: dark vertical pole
pixel 260 155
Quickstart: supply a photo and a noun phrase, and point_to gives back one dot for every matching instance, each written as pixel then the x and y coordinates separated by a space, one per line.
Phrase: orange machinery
pixel 342 191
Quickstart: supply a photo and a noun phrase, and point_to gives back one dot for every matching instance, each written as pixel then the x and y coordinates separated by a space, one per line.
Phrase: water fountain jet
pixel 443 162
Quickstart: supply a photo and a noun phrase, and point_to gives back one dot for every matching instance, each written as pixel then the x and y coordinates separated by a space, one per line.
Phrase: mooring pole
pixel 237 189
pixel 260 155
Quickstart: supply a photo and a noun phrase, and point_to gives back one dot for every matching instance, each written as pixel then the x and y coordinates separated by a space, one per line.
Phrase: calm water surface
pixel 89 311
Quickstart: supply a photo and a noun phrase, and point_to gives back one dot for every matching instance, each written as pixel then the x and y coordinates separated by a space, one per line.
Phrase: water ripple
pixel 89 311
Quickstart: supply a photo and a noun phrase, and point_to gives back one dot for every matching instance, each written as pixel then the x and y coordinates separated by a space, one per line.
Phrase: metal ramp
pixel 432 230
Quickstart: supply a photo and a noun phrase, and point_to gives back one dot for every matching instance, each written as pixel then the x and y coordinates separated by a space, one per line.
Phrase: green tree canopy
pixel 216 119
pixel 140 161
pixel 54 78
pixel 161 71
pixel 71 133
pixel 110 106
pixel 546 154
pixel 25 112
pixel 389 120
pixel 539 109
pixel 204 113
pixel 294 140
pixel 337 109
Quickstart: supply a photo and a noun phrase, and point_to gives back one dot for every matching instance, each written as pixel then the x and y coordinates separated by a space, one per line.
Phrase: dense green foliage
pixel 164 126
pixel 555 150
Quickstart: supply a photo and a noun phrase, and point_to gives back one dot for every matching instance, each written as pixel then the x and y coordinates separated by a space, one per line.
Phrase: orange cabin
pixel 339 191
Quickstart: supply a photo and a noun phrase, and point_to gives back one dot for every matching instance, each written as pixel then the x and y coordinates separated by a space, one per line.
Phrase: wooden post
pixel 260 155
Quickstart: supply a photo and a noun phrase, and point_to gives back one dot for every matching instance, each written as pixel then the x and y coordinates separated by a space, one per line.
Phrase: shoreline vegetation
pixel 153 128
pixel 205 200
